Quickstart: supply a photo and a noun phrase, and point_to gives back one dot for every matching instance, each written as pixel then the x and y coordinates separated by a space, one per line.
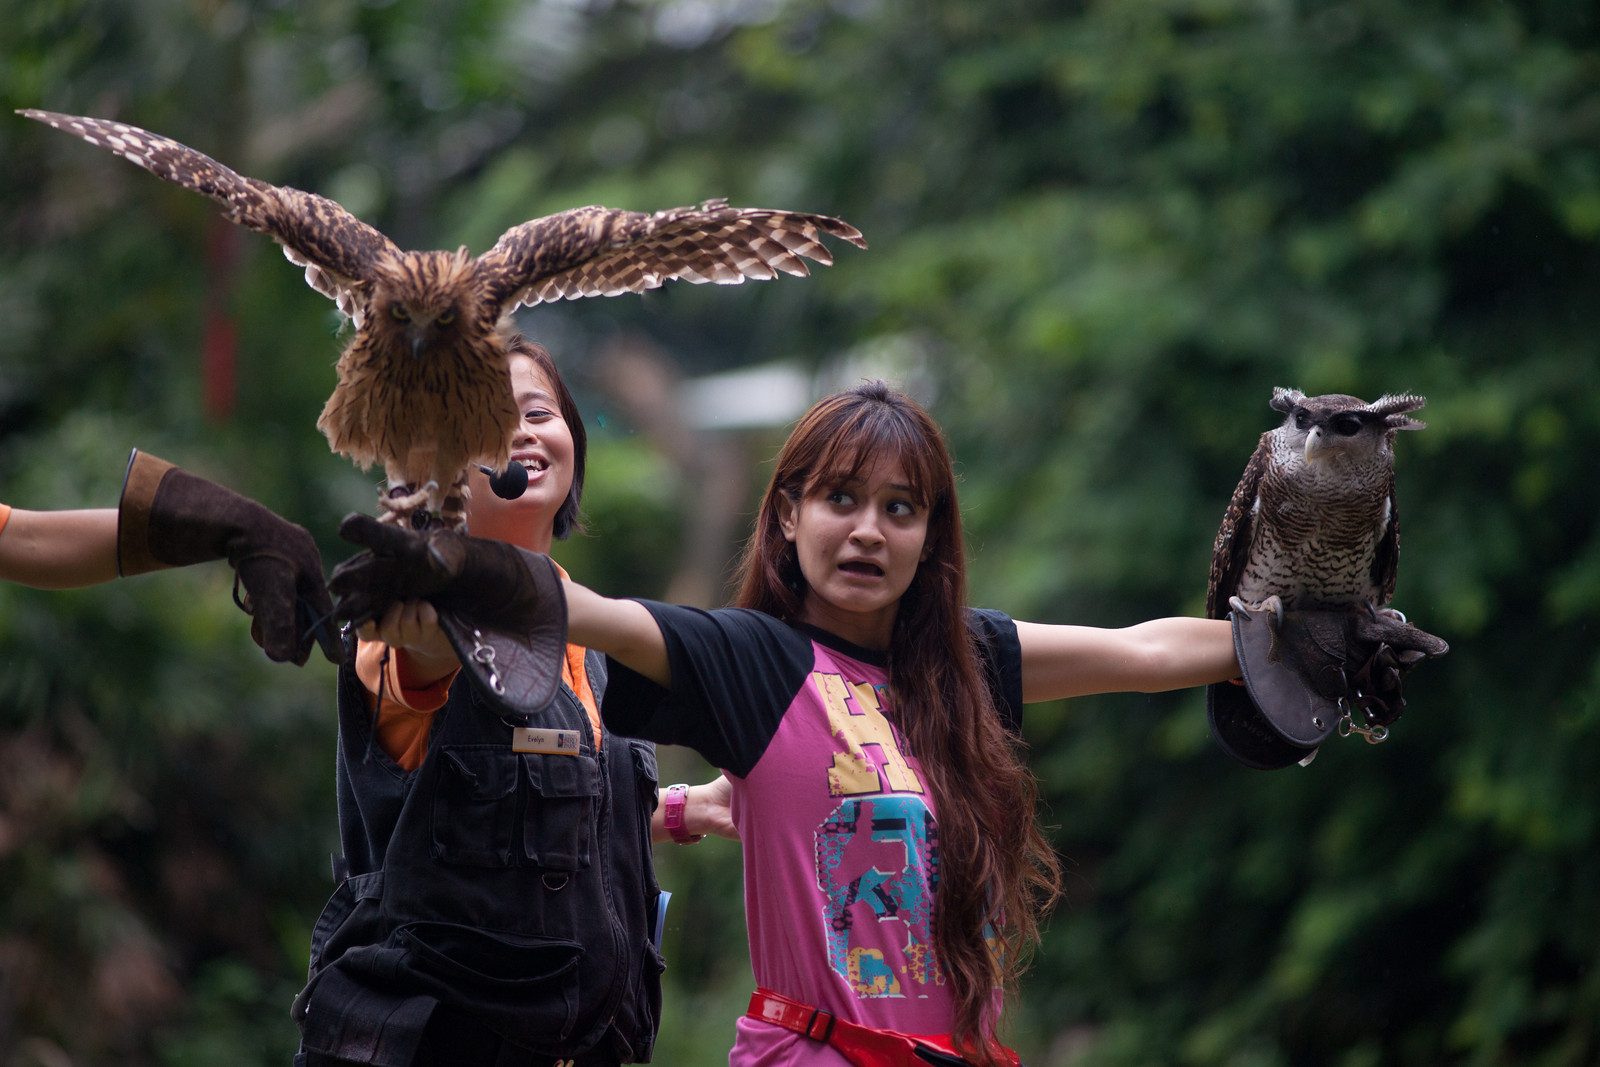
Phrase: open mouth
pixel 534 466
pixel 863 568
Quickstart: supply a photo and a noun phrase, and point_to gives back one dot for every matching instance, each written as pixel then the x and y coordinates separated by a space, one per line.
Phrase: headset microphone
pixel 510 483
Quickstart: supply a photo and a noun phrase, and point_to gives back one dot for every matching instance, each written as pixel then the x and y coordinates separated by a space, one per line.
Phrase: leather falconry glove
pixel 1309 672
pixel 168 517
pixel 502 607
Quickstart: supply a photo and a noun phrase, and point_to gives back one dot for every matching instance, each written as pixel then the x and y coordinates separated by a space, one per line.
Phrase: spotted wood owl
pixel 422 386
pixel 1313 520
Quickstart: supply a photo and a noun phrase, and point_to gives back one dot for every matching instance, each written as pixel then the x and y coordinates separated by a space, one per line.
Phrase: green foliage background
pixel 1101 232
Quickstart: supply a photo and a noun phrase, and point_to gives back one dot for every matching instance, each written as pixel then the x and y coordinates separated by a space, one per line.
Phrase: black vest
pixel 516 888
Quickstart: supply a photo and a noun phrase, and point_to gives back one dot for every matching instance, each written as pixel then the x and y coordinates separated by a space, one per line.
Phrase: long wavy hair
pixel 997 873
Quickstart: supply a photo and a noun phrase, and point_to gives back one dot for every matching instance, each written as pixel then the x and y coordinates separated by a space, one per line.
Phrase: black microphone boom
pixel 510 483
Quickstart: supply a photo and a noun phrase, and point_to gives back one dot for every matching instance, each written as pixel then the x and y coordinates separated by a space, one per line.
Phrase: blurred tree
pixel 1101 233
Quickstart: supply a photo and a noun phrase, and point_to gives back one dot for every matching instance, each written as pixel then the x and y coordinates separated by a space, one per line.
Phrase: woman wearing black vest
pixel 497 902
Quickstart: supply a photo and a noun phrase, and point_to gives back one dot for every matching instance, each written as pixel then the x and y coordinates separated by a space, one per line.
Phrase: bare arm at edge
pixel 59 549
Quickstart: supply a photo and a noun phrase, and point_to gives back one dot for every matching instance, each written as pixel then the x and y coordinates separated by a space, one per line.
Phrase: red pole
pixel 220 339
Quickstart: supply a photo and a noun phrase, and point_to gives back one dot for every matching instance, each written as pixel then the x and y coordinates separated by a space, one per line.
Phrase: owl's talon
pixel 400 500
pixel 403 506
pixel 1272 603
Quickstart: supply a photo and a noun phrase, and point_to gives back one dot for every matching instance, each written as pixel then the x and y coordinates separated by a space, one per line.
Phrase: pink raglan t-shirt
pixel 840 839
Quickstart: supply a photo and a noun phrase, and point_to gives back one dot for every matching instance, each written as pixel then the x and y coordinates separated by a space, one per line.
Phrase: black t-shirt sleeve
pixel 734 674
pixel 1000 651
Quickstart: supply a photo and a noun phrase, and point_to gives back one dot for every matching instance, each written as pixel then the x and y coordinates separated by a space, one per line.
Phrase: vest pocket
pixel 474 814
pixel 455 950
pixel 537 975
pixel 346 900
pixel 644 766
pixel 646 782
pixel 563 791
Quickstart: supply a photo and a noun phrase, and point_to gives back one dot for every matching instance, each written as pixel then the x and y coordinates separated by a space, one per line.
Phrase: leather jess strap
pixel 863 1046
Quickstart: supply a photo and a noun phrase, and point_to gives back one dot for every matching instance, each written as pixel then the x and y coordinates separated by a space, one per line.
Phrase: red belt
pixel 863 1046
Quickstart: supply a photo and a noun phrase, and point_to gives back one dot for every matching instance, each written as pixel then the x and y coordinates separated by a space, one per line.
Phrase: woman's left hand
pixel 413 625
pixel 706 810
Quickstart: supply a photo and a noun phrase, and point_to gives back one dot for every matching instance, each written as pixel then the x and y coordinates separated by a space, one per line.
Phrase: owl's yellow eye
pixel 446 317
pixel 398 310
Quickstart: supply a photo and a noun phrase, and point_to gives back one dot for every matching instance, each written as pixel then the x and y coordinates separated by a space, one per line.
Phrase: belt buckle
pixel 812 1022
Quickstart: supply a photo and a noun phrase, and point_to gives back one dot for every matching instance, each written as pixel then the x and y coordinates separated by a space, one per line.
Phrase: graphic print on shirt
pixel 878 852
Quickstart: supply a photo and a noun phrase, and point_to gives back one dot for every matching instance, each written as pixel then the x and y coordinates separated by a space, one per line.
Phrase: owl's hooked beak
pixel 1317 444
pixel 416 347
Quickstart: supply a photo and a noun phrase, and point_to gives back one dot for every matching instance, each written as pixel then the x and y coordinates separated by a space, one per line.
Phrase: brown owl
pixel 1313 520
pixel 422 386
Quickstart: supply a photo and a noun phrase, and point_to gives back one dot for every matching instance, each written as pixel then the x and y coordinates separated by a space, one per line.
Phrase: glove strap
pixel 517 673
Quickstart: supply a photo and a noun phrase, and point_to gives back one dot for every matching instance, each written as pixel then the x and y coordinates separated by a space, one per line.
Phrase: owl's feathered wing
pixel 598 251
pixel 1231 553
pixel 338 250
pixel 590 251
pixel 1386 563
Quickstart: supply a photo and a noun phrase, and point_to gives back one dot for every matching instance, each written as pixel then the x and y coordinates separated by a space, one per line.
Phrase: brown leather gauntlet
pixel 1310 672
pixel 168 517
pixel 502 607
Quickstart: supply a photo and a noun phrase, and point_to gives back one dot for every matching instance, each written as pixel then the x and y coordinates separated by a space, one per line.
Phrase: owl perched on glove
pixel 422 386
pixel 1313 520
pixel 1312 535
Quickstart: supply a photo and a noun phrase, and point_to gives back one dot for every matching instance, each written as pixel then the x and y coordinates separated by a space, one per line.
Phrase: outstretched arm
pixel 1172 653
pixel 385 591
pixel 59 549
pixel 622 629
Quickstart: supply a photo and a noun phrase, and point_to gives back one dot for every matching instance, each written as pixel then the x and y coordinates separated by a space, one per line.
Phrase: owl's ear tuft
pixel 1392 406
pixel 1284 400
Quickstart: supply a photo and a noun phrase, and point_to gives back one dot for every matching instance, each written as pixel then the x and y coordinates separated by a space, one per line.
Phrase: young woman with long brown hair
pixel 868 720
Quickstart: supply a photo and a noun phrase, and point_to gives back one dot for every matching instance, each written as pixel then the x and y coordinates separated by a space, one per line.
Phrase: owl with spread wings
pixel 422 386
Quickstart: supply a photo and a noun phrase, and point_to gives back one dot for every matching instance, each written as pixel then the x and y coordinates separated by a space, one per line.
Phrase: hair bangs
pixel 876 433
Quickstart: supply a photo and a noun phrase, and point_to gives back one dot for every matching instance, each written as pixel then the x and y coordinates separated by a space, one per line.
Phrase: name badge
pixel 554 742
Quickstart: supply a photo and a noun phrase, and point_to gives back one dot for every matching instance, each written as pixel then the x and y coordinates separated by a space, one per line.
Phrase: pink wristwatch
pixel 672 815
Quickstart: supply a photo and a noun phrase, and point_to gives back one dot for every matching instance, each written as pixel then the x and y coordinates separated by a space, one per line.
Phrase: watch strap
pixel 673 815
